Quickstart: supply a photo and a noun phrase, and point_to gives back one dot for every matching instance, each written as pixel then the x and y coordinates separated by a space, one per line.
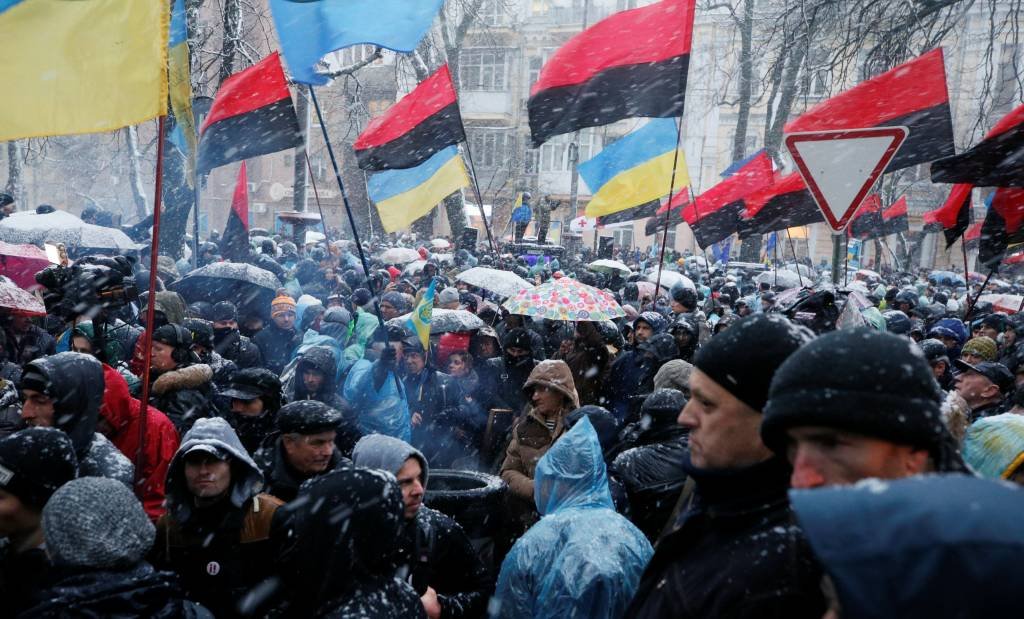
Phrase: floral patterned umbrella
pixel 565 299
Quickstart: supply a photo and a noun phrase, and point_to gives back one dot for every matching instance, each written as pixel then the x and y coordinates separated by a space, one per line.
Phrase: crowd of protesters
pixel 717 452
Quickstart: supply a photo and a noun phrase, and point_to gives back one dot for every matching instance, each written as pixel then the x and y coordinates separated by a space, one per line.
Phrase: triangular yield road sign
pixel 840 167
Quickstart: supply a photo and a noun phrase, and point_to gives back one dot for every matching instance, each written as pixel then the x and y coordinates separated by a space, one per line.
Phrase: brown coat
pixel 531 438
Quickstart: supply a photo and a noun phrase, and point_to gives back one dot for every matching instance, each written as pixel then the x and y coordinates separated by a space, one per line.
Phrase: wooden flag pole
pixel 147 338
pixel 476 189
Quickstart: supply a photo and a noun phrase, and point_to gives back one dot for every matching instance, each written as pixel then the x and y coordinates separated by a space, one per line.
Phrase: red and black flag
pixel 1003 225
pixel 665 215
pixel 251 115
pixel 422 123
pixel 954 216
pixel 234 244
pixel 867 221
pixel 894 218
pixel 912 95
pixel 784 204
pixel 630 64
pixel 996 161
pixel 717 212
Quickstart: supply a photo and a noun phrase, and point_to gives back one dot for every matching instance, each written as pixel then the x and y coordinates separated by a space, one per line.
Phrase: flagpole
pixel 351 222
pixel 147 338
pixel 476 188
pixel 671 187
pixel 316 194
pixel 796 261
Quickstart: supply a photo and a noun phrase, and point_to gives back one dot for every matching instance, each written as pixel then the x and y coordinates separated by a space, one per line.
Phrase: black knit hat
pixel 517 338
pixel 307 417
pixel 225 310
pixel 175 336
pixel 743 358
pixel 861 380
pixel 35 462
pixel 252 383
pixel 663 404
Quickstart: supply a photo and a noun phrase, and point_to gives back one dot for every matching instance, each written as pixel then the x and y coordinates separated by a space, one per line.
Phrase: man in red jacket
pixel 119 421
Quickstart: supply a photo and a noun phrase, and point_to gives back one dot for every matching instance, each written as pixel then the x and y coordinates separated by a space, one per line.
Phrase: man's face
pixel 309 454
pixel 516 353
pixel 975 388
pixel 15 517
pixel 414 362
pixel 642 331
pixel 162 359
pixel 247 408
pixel 829 457
pixel 312 380
pixel 285 320
pixel 388 311
pixel 36 409
pixel 410 478
pixel 677 308
pixel 207 476
pixel 225 324
pixel 546 401
pixel 989 332
pixel 724 432
pixel 1009 337
pixel 938 369
pixel 457 366
pixel 80 343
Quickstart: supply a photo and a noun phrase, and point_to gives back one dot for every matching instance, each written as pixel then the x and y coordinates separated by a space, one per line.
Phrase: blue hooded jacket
pixel 582 559
pixel 937 546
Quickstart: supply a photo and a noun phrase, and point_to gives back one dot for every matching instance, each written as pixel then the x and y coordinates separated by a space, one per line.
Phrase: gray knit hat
pixel 97 523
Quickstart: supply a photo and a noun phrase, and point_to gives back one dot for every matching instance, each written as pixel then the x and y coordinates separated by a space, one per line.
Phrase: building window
pixel 493 13
pixel 554 154
pixel 356 53
pixel 623 238
pixel 483 70
pixel 492 148
pixel 531 161
pixel 536 62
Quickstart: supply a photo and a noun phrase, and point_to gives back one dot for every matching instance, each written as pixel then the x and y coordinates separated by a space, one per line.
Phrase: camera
pixel 92 283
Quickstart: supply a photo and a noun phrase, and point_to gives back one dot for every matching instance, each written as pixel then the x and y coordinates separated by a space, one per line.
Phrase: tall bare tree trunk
pixel 232 33
pixel 135 172
pixel 15 186
pixel 746 25
pixel 299 165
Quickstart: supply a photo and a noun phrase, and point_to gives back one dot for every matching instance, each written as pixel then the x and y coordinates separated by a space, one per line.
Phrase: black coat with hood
pixel 631 375
pixel 75 383
pixel 321 359
pixel 502 378
pixel 433 550
pixel 234 346
pixel 340 560
pixel 184 394
pixel 276 346
pixel 223 551
pixel 437 397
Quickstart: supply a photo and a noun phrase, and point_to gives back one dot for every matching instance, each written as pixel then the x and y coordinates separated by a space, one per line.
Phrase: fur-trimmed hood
pixel 190 377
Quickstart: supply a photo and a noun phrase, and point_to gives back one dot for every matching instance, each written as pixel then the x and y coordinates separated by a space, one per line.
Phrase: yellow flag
pixel 82 66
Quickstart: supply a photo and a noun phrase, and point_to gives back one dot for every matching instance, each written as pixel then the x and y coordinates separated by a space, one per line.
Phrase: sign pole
pixel 837 257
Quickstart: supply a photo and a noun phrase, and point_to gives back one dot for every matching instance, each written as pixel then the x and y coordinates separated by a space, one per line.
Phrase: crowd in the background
pixel 731 447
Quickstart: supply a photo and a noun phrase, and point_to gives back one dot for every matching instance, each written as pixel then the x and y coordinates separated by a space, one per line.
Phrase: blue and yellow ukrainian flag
pixel 636 169
pixel 403 196
pixel 179 83
pixel 81 67
pixel 421 317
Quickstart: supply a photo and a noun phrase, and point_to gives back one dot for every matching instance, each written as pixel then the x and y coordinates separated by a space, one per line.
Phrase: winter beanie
pixel 96 523
pixel 994 446
pixel 983 346
pixel 387 453
pixel 448 295
pixel 35 462
pixel 281 304
pixel 744 358
pixel 876 384
pixel 663 405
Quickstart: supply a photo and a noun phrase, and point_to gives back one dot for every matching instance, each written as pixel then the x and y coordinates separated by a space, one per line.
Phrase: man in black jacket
pixel 650 461
pixel 254 397
pixel 228 342
pixel 502 378
pixel 277 340
pixel 26 341
pixel 435 401
pixel 735 550
pixel 304 447
pixel 441 563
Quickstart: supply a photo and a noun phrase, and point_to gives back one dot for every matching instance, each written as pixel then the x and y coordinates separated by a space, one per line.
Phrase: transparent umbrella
pixel 399 255
pixel 670 278
pixel 501 283
pixel 62 227
pixel 445 321
pixel 609 266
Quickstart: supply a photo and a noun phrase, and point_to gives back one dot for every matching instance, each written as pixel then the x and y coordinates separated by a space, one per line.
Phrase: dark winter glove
pixel 382 366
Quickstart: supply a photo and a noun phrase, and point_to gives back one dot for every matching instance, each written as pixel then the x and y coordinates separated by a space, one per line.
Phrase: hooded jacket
pixel 121 411
pixel 184 394
pixel 432 547
pixel 588 361
pixel 173 307
pixel 276 346
pixel 385 411
pixel 582 559
pixel 631 375
pixel 437 397
pixel 343 541
pixel 237 348
pixel 282 480
pixel 76 387
pixel 222 551
pixel 322 360
pixel 531 437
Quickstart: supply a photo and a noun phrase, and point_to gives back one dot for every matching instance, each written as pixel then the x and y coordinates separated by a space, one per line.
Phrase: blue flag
pixel 310 29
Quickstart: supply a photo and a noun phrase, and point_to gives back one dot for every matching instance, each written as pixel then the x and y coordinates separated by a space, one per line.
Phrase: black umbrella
pixel 243 284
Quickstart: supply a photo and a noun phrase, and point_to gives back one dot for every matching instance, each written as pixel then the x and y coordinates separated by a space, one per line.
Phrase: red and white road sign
pixel 840 167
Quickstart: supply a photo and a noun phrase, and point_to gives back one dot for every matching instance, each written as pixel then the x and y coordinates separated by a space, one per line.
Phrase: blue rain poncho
pixel 383 412
pixel 582 559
